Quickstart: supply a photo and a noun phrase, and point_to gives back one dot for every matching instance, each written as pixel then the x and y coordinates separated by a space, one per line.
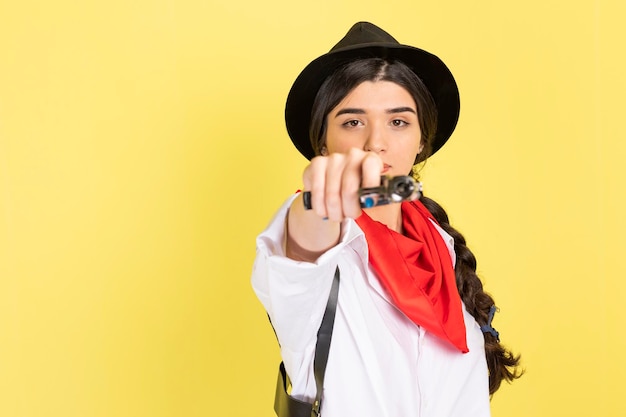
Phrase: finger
pixel 351 182
pixel 314 180
pixel 332 196
pixel 371 167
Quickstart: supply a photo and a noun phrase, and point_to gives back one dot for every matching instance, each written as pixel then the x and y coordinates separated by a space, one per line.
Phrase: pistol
pixel 391 190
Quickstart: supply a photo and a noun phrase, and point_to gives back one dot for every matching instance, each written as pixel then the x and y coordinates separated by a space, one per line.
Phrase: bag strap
pixel 284 404
pixel 324 336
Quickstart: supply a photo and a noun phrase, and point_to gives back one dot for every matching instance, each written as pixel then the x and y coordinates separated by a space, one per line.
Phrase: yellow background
pixel 142 149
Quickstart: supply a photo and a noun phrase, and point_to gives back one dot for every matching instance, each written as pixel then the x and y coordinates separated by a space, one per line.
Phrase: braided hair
pixel 502 363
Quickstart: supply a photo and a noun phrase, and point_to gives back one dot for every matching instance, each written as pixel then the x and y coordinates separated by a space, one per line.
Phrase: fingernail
pixel 306 199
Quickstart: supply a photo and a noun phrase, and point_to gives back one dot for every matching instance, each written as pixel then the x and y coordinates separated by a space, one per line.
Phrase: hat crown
pixel 364 33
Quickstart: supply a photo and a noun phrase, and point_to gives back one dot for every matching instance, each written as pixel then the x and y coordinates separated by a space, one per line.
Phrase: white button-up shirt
pixel 380 363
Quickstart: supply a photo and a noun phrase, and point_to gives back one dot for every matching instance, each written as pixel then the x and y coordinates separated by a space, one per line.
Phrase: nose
pixel 376 140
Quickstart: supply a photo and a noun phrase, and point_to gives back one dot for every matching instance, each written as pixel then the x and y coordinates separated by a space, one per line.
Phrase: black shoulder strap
pixel 284 404
pixel 324 336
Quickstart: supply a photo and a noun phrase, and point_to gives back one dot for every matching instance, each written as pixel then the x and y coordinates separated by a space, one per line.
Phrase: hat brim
pixel 428 67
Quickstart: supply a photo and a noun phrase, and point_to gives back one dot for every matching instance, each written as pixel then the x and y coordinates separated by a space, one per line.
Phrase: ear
pixel 324 151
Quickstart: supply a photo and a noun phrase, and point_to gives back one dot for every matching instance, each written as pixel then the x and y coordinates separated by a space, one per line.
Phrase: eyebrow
pixel 402 110
pixel 389 111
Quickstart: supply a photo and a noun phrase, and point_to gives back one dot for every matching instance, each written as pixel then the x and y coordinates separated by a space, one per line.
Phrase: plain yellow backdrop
pixel 142 149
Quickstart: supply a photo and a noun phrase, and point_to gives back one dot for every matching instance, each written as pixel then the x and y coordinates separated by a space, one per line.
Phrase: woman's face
pixel 378 117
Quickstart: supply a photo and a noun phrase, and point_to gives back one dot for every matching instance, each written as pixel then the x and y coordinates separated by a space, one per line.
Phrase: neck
pixel 390 215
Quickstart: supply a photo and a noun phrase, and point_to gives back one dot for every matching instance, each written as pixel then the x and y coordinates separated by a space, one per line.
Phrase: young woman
pixel 412 334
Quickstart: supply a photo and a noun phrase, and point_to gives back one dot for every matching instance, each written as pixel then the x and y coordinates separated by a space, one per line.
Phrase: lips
pixel 386 168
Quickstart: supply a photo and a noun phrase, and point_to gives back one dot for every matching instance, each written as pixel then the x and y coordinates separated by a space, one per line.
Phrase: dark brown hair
pixel 502 364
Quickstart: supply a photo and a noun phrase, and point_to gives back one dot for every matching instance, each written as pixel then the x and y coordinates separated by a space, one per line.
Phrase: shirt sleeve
pixel 295 294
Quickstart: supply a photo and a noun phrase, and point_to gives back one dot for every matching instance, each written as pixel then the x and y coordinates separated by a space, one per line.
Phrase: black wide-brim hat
pixel 365 40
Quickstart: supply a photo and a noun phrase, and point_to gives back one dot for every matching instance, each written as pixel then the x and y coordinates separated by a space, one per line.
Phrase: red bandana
pixel 417 272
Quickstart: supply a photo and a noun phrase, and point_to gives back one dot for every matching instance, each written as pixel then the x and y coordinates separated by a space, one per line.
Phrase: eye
pixel 352 123
pixel 399 123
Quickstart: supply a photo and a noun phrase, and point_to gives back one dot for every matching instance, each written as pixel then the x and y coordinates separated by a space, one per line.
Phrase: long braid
pixel 502 363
